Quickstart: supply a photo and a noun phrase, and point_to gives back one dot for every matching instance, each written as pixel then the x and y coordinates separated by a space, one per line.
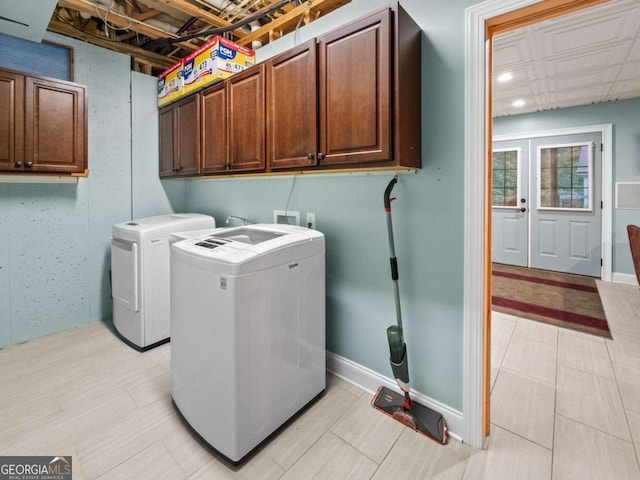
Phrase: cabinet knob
pixel 320 156
pixel 18 164
pixel 310 156
pixel 28 164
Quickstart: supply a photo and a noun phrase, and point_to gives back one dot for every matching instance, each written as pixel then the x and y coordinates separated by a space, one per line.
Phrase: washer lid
pixel 161 225
pixel 241 245
pixel 249 235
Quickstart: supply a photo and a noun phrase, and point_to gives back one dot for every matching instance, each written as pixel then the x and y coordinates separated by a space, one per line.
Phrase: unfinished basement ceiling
pixel 591 56
pixel 152 31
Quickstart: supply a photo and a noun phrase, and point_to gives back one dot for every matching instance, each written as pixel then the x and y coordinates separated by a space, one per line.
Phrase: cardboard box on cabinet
pixel 216 60
pixel 170 84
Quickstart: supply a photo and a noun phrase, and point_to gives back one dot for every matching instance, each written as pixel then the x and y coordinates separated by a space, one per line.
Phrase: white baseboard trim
pixel 624 278
pixel 369 381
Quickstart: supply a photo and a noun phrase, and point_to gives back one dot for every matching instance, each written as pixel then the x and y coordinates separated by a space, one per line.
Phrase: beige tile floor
pixel 564 406
pixel 576 396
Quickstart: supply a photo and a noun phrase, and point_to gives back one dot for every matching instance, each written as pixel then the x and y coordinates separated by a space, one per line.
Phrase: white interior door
pixel 547 213
pixel 510 188
pixel 566 221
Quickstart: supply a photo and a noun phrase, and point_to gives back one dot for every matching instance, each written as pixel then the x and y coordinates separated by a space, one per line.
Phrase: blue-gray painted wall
pixel 54 237
pixel 150 195
pixel 67 228
pixel 625 118
pixel 427 218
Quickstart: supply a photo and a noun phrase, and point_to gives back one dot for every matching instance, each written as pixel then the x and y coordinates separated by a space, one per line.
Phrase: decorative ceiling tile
pixel 591 56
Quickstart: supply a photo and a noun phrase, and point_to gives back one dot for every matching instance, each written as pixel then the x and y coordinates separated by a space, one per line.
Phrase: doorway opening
pixel 483 23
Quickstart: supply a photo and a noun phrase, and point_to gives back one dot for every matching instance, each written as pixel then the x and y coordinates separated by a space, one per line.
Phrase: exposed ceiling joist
pixel 150 30
pixel 288 21
pixel 121 21
pixel 590 56
pixel 146 15
pixel 195 11
pixel 154 59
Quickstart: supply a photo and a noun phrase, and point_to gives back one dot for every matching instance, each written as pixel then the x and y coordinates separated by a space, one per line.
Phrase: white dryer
pixel 140 275
pixel 247 331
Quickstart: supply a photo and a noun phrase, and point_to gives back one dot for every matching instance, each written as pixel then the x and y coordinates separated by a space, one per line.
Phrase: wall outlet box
pixel 286 217
pixel 311 220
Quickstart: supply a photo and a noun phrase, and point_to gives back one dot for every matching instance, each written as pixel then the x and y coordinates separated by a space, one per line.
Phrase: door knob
pixel 523 209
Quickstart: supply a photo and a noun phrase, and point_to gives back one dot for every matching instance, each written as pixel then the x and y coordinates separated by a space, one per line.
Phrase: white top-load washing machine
pixel 140 274
pixel 247 331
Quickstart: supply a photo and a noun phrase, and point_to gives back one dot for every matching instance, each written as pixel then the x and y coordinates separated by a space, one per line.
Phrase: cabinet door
pixel 187 136
pixel 11 121
pixel 292 125
pixel 246 119
pixel 214 128
pixel 55 137
pixel 355 92
pixel 167 168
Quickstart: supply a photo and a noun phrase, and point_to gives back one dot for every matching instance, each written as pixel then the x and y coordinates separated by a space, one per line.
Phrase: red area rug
pixel 562 299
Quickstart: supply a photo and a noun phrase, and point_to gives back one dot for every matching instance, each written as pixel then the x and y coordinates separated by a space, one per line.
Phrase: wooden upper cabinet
pixel 246 120
pixel 349 99
pixel 187 137
pixel 179 134
pixel 43 124
pixel 11 120
pixel 292 125
pixel 356 92
pixel 55 126
pixel 166 123
pixel 214 128
pixel 407 78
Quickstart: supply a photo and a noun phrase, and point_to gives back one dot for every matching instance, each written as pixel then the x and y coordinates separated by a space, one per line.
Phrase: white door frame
pixel 474 207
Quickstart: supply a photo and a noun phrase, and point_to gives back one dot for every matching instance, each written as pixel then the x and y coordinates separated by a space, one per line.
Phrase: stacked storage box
pixel 216 60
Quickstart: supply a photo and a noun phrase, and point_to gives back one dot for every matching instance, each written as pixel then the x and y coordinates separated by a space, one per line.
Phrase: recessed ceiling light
pixel 519 103
pixel 505 77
